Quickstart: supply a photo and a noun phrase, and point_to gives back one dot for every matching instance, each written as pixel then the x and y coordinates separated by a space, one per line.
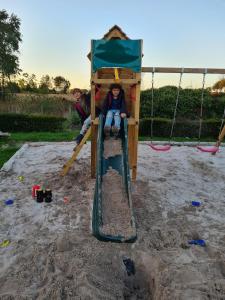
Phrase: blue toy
pixel 9 202
pixel 197 242
pixel 196 203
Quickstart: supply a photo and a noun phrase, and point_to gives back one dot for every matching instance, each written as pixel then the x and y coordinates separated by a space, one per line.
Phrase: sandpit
pixel 53 255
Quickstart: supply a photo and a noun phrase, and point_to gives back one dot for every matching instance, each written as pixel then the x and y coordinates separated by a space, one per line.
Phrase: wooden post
pixel 136 127
pixel 94 129
pixel 220 138
pixel 130 143
pixel 222 134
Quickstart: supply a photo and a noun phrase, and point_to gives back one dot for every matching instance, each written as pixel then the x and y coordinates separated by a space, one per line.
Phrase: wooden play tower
pixel 130 82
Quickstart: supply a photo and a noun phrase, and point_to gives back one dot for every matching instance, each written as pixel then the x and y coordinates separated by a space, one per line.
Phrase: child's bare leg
pixel 86 125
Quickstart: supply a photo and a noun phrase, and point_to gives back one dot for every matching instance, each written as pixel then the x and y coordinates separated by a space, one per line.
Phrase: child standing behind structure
pixel 82 105
pixel 114 108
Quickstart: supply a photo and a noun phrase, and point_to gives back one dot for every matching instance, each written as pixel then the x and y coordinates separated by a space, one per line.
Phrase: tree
pixel 61 84
pixel 28 83
pixel 12 87
pixel 10 37
pixel 219 86
pixel 45 84
pixel 31 83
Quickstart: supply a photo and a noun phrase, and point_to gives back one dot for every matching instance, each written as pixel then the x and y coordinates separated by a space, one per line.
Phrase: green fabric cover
pixel 116 54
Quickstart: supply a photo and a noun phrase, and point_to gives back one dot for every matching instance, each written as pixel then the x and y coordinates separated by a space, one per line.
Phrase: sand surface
pixel 112 147
pixel 52 254
pixel 115 206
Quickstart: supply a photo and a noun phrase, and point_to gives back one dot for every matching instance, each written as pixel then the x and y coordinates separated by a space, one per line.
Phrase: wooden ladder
pixel 76 151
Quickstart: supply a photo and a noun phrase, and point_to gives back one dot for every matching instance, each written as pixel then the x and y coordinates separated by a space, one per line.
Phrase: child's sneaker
pixel 115 131
pixel 79 138
pixel 107 131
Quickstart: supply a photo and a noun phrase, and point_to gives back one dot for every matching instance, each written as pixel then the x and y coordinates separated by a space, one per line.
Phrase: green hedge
pixel 182 128
pixel 20 122
pixel 188 107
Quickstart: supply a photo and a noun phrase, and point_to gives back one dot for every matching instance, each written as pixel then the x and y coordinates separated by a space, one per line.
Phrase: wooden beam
pixel 92 102
pixel 136 128
pixel 222 134
pixel 185 70
pixel 131 144
pixel 94 131
pixel 77 149
pixel 110 81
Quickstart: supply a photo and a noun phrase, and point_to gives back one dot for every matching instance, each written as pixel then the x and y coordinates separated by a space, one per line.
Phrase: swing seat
pixel 210 149
pixel 160 147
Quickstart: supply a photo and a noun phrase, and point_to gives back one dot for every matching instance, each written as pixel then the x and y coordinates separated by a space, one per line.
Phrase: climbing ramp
pixel 76 151
pixel 112 218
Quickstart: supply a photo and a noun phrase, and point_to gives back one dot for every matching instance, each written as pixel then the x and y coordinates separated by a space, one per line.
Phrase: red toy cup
pixel 34 190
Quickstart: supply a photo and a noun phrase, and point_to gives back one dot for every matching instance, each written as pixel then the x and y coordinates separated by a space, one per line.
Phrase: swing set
pixel 117 58
pixel 207 149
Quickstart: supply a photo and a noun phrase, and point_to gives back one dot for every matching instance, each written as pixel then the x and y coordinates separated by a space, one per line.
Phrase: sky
pixel 177 33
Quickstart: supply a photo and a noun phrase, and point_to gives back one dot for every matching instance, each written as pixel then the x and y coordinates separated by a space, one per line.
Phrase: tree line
pixel 29 83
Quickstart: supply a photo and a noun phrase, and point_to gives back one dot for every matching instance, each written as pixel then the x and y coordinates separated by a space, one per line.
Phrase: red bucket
pixel 34 190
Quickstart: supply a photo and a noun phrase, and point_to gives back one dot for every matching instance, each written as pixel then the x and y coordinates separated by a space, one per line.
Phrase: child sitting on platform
pixel 114 108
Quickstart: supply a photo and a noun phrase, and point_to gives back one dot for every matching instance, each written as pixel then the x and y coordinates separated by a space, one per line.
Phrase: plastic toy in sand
pixel 66 200
pixel 48 196
pixel 197 242
pixel 129 265
pixel 34 190
pixel 21 178
pixel 196 203
pixel 4 243
pixel 44 195
pixel 9 202
pixel 40 196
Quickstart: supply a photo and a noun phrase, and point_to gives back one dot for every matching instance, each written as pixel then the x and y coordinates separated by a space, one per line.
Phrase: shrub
pixel 188 107
pixel 182 128
pixel 20 122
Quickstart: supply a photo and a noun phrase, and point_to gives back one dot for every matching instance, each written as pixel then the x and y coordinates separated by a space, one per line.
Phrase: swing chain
pixel 152 102
pixel 176 104
pixel 201 109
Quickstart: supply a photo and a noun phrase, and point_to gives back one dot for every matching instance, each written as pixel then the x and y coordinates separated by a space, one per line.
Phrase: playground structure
pixel 117 59
pixel 131 82
pixel 167 265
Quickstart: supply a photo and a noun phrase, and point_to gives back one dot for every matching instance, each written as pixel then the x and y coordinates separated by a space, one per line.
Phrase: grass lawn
pixel 5 154
pixel 8 146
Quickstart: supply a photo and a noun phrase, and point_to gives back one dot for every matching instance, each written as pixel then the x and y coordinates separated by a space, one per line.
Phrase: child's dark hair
pixel 76 90
pixel 115 86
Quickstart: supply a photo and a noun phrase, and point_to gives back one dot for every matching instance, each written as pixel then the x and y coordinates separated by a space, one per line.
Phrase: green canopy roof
pixel 116 54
